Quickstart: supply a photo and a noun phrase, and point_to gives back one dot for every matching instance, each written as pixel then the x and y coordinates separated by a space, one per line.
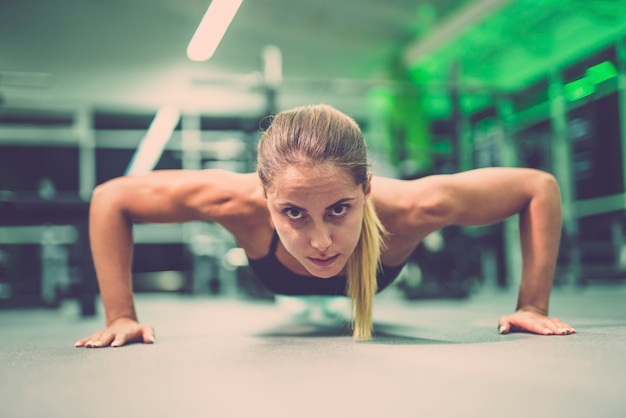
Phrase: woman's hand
pixel 118 333
pixel 528 320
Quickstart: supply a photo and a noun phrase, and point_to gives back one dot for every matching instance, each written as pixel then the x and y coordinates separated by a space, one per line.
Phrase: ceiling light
pixel 151 147
pixel 211 29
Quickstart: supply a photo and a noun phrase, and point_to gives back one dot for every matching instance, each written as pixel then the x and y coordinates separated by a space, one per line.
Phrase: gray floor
pixel 232 358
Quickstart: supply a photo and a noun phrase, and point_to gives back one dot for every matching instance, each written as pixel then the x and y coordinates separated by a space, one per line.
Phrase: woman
pixel 313 220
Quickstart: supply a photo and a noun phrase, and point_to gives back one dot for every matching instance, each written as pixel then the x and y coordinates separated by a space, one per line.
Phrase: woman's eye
pixel 293 214
pixel 339 210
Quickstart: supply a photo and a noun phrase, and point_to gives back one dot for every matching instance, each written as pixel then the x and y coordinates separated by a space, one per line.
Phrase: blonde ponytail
pixel 362 268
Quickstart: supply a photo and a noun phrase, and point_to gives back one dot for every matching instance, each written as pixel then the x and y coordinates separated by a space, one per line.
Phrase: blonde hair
pixel 322 134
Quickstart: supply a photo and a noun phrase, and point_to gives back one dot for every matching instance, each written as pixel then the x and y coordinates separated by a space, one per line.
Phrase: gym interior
pixel 91 91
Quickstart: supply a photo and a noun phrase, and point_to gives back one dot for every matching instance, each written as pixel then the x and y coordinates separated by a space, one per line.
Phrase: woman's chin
pixel 323 275
pixel 324 272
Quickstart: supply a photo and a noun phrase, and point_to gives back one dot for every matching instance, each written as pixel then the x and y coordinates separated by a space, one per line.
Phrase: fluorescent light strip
pixel 151 147
pixel 212 29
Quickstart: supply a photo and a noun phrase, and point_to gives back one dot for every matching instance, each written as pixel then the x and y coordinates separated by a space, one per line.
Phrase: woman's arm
pixel 161 196
pixel 490 195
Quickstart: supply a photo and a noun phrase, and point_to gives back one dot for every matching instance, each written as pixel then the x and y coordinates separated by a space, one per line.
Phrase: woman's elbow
pixel 545 184
pixel 108 195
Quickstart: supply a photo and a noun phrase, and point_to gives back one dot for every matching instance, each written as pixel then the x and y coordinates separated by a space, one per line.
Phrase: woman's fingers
pixel 118 334
pixel 119 340
pixel 81 342
pixel 561 327
pixel 533 322
pixel 543 327
pixel 88 341
pixel 534 325
pixel 102 340
pixel 556 327
pixel 147 334
pixel 504 327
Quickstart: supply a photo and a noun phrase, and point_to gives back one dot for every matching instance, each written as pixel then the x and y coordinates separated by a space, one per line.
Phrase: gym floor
pixel 228 357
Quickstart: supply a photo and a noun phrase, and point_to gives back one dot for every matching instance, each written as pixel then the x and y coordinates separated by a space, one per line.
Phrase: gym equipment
pixel 60 228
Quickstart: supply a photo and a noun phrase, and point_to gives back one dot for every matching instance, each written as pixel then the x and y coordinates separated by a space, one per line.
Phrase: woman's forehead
pixel 304 180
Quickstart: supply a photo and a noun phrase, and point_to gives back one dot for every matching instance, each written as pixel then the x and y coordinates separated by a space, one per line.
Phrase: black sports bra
pixel 280 280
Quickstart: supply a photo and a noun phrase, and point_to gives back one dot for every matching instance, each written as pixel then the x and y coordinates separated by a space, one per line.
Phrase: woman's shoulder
pixel 409 211
pixel 241 209
pixel 230 195
pixel 392 195
pixel 402 195
pixel 410 206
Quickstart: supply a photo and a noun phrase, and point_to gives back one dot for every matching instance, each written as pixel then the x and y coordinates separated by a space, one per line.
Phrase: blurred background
pixel 437 87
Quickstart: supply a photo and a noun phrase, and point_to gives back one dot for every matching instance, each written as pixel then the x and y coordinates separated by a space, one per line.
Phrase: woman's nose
pixel 321 240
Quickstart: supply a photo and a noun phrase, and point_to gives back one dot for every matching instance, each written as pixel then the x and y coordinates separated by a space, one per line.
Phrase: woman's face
pixel 318 214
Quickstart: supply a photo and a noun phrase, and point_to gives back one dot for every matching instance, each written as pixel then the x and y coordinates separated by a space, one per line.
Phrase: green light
pixel 380 99
pixel 443 147
pixel 427 67
pixel 472 103
pixel 601 72
pixel 527 40
pixel 437 106
pixel 578 89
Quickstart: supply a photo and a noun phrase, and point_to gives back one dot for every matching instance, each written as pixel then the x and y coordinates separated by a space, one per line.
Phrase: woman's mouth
pixel 323 262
